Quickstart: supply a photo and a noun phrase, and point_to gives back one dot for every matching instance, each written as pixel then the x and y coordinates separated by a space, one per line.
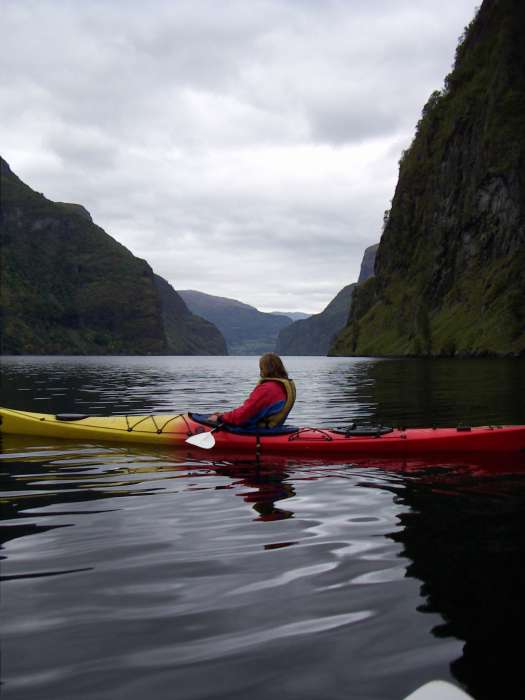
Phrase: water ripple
pixel 224 645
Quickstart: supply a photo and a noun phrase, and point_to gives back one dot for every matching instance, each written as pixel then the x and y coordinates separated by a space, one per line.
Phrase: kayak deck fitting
pixel 174 429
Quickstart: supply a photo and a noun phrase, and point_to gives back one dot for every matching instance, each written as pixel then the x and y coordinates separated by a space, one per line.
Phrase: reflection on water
pixel 331 391
pixel 465 540
pixel 129 571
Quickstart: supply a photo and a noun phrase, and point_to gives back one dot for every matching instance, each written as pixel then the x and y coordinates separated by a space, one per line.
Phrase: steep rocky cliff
pixel 315 335
pixel 450 269
pixel 67 287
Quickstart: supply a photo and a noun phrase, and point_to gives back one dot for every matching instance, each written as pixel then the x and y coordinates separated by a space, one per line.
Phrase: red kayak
pixel 176 430
pixel 372 441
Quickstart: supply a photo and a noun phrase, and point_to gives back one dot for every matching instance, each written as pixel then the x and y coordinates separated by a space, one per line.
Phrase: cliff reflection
pixel 466 542
pixel 425 392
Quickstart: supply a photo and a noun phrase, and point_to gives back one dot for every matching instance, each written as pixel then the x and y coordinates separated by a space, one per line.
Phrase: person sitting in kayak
pixel 269 403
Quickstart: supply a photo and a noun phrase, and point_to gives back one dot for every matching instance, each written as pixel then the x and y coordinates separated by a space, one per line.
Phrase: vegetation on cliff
pixel 450 269
pixel 67 287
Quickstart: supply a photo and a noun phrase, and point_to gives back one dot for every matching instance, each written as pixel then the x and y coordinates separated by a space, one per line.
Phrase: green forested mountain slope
pixel 450 269
pixel 67 287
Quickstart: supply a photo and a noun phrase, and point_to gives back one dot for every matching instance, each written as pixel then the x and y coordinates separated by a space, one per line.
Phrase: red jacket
pixel 264 395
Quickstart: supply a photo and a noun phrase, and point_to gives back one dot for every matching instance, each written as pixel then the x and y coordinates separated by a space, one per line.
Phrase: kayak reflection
pixel 46 475
pixel 266 484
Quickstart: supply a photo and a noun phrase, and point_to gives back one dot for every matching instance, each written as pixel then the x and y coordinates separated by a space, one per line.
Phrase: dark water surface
pixel 132 572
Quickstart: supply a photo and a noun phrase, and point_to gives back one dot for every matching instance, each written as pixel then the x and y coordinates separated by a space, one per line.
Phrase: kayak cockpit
pixel 202 418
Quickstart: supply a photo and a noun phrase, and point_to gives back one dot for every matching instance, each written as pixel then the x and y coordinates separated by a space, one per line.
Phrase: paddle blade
pixel 438 690
pixel 204 440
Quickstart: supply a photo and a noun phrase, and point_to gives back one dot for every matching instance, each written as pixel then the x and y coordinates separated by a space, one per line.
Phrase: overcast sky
pixel 244 148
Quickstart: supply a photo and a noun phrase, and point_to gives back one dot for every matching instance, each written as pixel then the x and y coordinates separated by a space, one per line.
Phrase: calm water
pixel 132 572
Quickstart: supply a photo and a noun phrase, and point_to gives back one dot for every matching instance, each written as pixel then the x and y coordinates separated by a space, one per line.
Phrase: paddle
pixel 204 440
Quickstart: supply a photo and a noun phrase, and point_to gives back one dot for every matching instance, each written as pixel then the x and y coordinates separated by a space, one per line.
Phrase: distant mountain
pixel 67 287
pixel 187 333
pixel 247 330
pixel 367 263
pixel 293 315
pixel 315 334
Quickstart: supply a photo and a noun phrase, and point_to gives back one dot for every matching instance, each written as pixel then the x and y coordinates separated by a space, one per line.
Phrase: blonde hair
pixel 271 365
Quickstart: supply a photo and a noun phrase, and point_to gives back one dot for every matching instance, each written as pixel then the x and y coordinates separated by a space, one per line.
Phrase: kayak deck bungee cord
pixel 175 429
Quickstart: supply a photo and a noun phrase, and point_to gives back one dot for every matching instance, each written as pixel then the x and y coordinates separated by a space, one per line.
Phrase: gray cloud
pixel 246 149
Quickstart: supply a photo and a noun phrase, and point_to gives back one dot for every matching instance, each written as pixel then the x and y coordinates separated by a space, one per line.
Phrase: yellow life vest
pixel 275 419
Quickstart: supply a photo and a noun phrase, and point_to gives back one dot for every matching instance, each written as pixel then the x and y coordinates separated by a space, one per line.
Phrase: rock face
pixel 367 264
pixel 315 335
pixel 67 287
pixel 247 330
pixel 450 269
